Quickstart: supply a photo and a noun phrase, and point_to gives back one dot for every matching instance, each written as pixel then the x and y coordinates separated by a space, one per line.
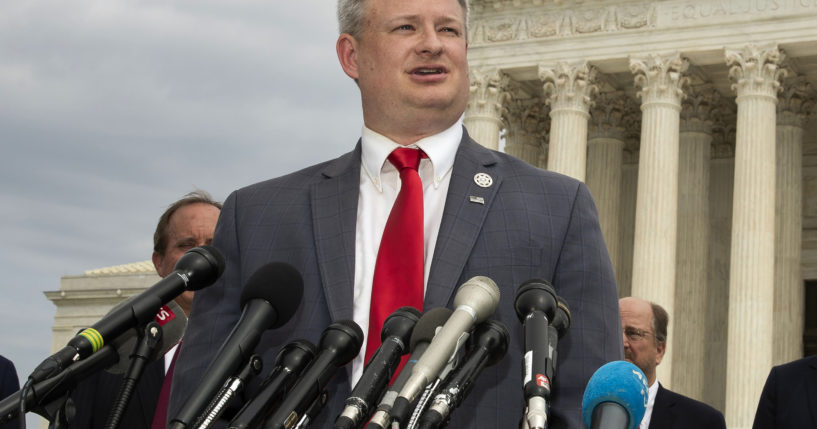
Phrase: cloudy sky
pixel 112 109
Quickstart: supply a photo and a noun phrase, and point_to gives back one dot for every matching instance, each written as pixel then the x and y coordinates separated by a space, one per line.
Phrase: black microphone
pixel 422 335
pixel 197 268
pixel 269 299
pixel 535 306
pixel 290 362
pixel 112 357
pixel 616 397
pixel 475 300
pixel 339 344
pixel 394 342
pixel 488 345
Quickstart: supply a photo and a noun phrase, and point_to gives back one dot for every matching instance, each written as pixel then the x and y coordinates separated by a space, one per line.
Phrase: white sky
pixel 112 109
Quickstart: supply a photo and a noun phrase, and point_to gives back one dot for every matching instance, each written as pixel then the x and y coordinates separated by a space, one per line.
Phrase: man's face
pixel 189 226
pixel 640 346
pixel 410 63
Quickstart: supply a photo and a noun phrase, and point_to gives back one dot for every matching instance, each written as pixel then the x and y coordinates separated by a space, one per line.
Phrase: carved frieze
pixel 487 27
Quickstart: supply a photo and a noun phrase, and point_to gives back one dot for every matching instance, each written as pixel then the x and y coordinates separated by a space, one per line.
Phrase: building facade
pixel 691 121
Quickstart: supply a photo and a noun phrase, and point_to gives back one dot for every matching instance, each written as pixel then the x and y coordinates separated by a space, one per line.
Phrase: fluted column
pixel 755 73
pixel 794 104
pixel 693 240
pixel 483 116
pixel 525 136
pixel 605 147
pixel 661 80
pixel 568 89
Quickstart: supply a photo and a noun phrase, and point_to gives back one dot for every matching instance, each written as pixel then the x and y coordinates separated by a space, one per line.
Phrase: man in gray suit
pixel 485 213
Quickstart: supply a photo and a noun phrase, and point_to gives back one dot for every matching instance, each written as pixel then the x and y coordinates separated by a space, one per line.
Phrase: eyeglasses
pixel 635 334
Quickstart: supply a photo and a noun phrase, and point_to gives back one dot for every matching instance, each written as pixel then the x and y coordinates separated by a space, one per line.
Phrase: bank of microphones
pixel 426 366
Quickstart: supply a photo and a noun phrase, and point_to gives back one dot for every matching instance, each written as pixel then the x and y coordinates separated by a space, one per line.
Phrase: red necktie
pixel 160 416
pixel 398 271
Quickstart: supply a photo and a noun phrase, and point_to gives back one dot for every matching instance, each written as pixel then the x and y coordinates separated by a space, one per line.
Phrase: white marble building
pixel 690 122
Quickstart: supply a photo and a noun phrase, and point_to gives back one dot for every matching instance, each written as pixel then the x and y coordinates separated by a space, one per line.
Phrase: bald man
pixel 644 328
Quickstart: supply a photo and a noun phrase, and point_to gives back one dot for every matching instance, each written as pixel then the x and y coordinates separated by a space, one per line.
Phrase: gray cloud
pixel 110 110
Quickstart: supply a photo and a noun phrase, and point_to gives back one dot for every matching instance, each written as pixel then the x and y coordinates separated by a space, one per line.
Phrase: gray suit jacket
pixel 533 224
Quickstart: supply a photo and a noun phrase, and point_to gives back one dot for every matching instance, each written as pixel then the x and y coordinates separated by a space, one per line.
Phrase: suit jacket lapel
pixel 334 215
pixel 148 389
pixel 662 412
pixel 466 207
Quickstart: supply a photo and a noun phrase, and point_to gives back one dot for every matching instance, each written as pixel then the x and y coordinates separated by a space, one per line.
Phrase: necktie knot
pixel 404 157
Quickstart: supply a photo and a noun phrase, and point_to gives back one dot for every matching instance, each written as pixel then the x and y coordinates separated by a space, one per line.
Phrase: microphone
pixel 616 397
pixel 474 302
pixel 339 344
pixel 265 306
pixel 170 317
pixel 114 357
pixel 197 268
pixel 423 333
pixel 535 305
pixel 394 341
pixel 489 343
pixel 290 362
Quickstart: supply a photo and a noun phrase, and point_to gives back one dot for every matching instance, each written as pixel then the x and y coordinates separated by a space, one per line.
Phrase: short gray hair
pixel 350 16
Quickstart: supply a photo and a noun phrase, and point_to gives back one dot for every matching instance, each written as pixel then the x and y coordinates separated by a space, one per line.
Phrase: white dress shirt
pixel 645 422
pixel 379 186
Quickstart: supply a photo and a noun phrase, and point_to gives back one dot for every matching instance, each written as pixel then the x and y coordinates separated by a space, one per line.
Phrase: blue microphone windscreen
pixel 620 382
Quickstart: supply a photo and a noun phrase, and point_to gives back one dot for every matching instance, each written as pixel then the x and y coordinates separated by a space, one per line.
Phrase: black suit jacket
pixel 528 224
pixel 94 398
pixel 8 384
pixel 789 398
pixel 675 411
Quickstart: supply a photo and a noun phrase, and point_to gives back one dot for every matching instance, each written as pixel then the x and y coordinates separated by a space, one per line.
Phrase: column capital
pixel 754 70
pixel 796 101
pixel 609 115
pixel 698 107
pixel 487 93
pixel 661 78
pixel 569 86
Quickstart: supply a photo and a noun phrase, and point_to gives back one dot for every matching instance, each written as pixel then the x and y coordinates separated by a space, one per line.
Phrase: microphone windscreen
pixel 173 322
pixel 202 265
pixel 278 283
pixel 620 382
pixel 427 325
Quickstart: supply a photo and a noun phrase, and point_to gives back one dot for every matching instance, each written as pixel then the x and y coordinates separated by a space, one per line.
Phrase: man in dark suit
pixel 644 325
pixel 789 397
pixel 9 383
pixel 187 223
pixel 485 213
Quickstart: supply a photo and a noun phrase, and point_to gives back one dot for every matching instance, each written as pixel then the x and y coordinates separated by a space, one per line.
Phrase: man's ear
pixel 346 47
pixel 157 263
pixel 662 347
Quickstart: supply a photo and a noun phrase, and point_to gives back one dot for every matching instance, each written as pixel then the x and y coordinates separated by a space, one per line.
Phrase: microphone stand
pixel 143 350
pixel 232 386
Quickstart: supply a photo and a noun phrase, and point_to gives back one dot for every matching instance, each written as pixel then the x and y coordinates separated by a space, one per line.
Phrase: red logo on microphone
pixel 542 381
pixel 164 315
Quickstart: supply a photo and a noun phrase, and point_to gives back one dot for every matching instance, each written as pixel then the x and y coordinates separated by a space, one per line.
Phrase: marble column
pixel 483 116
pixel 526 130
pixel 568 89
pixel 689 323
pixel 795 103
pixel 755 73
pixel 661 81
pixel 605 148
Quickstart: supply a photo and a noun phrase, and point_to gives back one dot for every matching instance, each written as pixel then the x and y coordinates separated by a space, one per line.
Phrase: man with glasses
pixel 644 327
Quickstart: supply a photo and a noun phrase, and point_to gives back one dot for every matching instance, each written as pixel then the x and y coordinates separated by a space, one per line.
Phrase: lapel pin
pixel 479 200
pixel 483 180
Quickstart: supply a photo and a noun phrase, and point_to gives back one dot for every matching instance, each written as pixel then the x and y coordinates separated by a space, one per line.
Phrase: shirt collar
pixel 441 149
